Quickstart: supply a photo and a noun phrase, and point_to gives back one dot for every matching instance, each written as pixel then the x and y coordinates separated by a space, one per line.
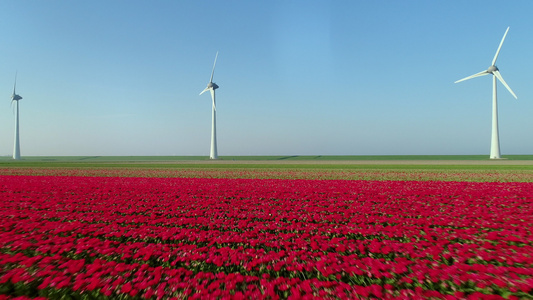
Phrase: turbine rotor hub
pixel 492 68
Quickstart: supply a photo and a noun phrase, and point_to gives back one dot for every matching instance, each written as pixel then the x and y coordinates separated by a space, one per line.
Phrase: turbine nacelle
pixel 492 69
pixel 212 85
pixel 16 97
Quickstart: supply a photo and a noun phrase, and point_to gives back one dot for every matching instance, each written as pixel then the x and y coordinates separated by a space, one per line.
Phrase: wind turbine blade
pixel 501 43
pixel 213 72
pixel 205 90
pixel 213 97
pixel 15 84
pixel 482 73
pixel 500 78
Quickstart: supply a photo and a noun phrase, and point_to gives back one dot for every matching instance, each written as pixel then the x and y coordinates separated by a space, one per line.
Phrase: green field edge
pixel 4 159
pixel 359 163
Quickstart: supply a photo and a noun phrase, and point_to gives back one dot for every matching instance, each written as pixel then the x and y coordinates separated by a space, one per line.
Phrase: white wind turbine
pixel 495 140
pixel 211 86
pixel 16 98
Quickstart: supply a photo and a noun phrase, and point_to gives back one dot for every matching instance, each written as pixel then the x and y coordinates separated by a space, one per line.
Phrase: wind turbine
pixel 495 140
pixel 211 86
pixel 16 98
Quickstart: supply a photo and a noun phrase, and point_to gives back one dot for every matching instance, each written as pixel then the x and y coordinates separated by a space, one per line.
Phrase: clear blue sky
pixel 296 77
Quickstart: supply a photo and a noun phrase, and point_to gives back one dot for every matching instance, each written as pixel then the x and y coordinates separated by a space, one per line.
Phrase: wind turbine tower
pixel 495 140
pixel 211 87
pixel 16 98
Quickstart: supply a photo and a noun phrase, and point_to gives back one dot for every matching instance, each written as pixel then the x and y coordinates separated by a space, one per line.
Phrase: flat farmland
pixel 460 168
pixel 270 228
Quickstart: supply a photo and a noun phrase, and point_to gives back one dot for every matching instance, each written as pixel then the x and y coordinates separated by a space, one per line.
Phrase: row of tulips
pixel 293 172
pixel 158 238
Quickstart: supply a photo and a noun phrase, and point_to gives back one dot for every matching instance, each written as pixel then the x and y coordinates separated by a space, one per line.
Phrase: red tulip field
pixel 116 237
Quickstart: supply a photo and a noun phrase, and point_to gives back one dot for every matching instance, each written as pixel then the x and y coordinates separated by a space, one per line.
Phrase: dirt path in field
pixel 354 162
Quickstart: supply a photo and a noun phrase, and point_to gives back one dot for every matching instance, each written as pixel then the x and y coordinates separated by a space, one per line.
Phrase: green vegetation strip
pixel 299 158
